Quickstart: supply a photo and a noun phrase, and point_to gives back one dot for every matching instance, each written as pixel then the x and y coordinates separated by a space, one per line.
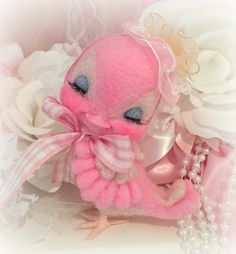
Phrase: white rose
pixel 49 67
pixel 25 117
pixel 210 109
pixel 39 75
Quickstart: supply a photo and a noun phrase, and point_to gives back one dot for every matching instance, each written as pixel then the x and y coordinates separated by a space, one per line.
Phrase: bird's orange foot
pixel 98 224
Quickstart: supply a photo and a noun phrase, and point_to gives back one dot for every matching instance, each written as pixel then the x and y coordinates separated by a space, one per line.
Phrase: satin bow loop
pixel 53 109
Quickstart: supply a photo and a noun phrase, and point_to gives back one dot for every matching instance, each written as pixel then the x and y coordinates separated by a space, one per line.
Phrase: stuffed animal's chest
pixel 101 185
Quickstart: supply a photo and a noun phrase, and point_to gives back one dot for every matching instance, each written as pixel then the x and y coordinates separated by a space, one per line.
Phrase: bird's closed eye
pixel 81 84
pixel 134 115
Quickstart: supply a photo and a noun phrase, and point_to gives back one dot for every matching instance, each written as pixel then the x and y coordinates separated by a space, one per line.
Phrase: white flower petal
pixel 41 120
pixel 45 66
pixel 195 100
pixel 207 132
pixel 222 41
pixel 23 124
pixel 224 120
pixel 25 100
pixel 220 99
pixel 214 71
pixel 7 120
pixel 15 83
pixel 225 87
pixel 205 21
pixel 210 110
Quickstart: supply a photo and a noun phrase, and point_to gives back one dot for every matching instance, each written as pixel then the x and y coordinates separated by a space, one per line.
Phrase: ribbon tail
pixel 62 171
pixel 157 143
pixel 185 140
pixel 34 157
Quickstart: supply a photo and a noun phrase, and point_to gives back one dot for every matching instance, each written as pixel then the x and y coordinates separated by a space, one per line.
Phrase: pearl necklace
pixel 199 232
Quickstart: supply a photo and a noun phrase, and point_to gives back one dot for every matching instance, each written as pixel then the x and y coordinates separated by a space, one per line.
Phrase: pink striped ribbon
pixel 114 151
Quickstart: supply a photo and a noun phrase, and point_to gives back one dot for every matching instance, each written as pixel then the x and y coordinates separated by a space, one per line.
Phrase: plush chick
pixel 112 88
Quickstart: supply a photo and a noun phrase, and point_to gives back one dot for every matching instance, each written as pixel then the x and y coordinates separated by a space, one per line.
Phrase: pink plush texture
pixel 124 71
pixel 125 56
pixel 143 195
pixel 82 164
pixel 107 197
pixel 151 201
pixel 83 150
pixel 140 192
pixel 87 178
pixel 121 72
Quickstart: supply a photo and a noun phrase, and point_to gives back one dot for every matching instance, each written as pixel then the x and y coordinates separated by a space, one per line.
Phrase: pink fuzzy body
pixel 122 73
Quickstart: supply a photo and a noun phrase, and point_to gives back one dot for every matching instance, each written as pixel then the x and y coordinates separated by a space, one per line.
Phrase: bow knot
pixel 113 150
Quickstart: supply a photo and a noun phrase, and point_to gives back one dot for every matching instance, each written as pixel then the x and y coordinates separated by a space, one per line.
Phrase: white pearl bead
pixel 213 227
pixel 199 213
pixel 233 180
pixel 211 216
pixel 205 199
pixel 186 245
pixel 197 179
pixel 206 150
pixel 196 166
pixel 199 188
pixel 223 240
pixel 226 215
pixel 231 191
pixel 193 239
pixel 204 247
pixel 183 233
pixel 191 174
pixel 183 172
pixel 202 157
pixel 214 238
pixel 204 234
pixel 208 209
pixel 185 162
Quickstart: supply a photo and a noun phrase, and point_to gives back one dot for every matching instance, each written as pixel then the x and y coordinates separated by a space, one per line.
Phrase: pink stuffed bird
pixel 110 95
pixel 113 90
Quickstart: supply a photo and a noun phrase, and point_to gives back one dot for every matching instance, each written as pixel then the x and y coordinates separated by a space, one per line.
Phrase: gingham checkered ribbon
pixel 112 150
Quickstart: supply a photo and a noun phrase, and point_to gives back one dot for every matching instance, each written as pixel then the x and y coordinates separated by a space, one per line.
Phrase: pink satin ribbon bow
pixel 114 151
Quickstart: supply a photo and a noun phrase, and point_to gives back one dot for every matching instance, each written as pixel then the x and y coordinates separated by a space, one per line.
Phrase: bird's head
pixel 113 86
